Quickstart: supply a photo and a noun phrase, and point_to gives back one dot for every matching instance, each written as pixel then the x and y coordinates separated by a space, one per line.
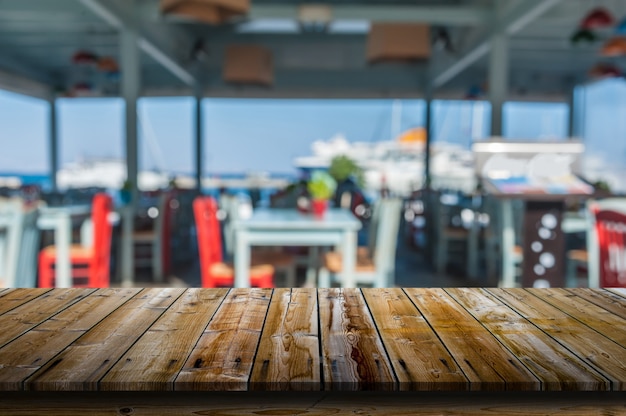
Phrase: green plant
pixel 321 185
pixel 342 167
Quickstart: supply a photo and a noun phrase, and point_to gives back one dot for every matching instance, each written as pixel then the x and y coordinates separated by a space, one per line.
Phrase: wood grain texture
pixel 554 365
pixel 353 357
pixel 154 361
pixel 604 299
pixel 620 291
pixel 81 365
pixel 54 335
pixel 601 320
pixel 28 315
pixel 13 298
pixel 419 358
pixel 222 359
pixel 288 354
pixel 604 355
pixel 486 363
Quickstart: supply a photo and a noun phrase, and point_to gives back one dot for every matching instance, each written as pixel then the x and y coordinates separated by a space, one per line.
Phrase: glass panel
pixel 91 134
pixel 604 129
pixel 535 121
pixel 23 140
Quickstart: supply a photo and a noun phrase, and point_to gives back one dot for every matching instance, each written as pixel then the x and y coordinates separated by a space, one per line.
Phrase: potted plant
pixel 321 187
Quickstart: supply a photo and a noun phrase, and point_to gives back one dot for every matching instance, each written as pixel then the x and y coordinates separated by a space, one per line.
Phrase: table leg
pixel 311 270
pixel 348 253
pixel 242 260
pixel 63 237
pixel 128 247
pixel 508 244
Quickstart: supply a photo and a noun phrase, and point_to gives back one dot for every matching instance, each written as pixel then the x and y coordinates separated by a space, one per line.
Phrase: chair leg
pixel 323 277
pixel 46 273
pixel 290 274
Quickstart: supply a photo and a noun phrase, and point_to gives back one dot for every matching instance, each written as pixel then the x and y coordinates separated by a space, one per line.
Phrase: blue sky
pixel 243 135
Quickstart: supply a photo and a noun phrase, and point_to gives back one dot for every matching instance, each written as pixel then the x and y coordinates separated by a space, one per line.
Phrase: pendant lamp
pixel 398 42
pixel 616 46
pixel 248 64
pixel 597 18
pixel 207 11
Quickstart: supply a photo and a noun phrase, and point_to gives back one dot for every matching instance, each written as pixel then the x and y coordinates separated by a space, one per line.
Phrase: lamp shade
pixel 597 18
pixel 616 46
pixel 248 64
pixel 207 11
pixel 398 42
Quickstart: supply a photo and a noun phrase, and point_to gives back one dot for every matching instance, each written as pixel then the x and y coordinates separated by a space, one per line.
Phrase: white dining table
pixel 59 219
pixel 289 227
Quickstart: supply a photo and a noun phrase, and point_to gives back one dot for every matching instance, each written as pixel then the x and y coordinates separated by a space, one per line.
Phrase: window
pixel 91 142
pixel 460 122
pixel 24 138
pixel 166 131
pixel 535 121
pixel 604 129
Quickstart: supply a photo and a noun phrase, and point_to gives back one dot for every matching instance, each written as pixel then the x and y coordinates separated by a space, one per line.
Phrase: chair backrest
pixel 608 243
pixel 387 235
pixel 11 219
pixel 208 231
pixel 101 207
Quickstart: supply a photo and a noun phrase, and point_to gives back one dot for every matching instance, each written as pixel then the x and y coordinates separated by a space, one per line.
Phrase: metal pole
pixel 199 147
pixel 131 81
pixel 54 144
pixel 428 98
pixel 498 79
pixel 571 119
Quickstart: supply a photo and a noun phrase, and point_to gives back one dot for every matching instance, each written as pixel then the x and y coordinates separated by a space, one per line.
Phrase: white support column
pixel 131 81
pixel 199 149
pixel 53 135
pixel 498 79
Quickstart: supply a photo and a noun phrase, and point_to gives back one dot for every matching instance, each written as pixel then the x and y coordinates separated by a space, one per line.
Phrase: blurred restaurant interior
pixel 283 143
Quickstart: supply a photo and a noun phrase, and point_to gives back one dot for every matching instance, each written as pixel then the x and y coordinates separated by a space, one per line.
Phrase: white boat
pixel 398 164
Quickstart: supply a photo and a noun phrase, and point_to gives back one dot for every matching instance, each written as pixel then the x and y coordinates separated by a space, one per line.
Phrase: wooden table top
pixel 312 339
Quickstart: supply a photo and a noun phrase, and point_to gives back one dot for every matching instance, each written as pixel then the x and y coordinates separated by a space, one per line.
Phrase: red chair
pixel 610 232
pixel 214 271
pixel 90 265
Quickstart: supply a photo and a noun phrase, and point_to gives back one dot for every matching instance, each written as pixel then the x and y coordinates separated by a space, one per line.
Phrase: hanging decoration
pixel 616 46
pixel 605 70
pixel 620 29
pixel 597 18
pixel 213 12
pixel 583 36
pixel 92 75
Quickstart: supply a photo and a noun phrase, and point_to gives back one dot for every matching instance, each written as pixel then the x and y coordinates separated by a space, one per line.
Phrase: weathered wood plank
pixel 4 291
pixel 84 362
pixel 419 358
pixel 603 321
pixel 353 357
pixel 554 365
pixel 604 299
pixel 28 315
pixel 52 336
pixel 618 290
pixel 485 362
pixel 154 361
pixel 288 354
pixel 222 359
pixel 17 297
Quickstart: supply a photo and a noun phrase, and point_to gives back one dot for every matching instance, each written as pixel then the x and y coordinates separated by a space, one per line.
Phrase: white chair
pixel 19 238
pixel 375 268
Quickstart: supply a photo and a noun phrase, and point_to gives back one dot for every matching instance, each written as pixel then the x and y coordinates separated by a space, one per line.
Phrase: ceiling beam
pixel 22 85
pixel 122 19
pixel 458 15
pixel 513 21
